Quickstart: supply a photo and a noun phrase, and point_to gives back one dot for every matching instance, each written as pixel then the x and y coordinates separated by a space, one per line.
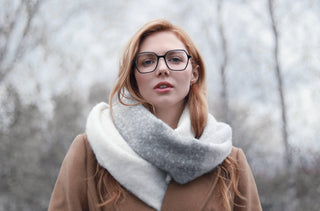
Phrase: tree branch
pixel 224 63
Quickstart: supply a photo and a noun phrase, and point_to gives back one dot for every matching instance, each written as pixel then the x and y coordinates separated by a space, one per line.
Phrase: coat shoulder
pixel 81 146
pixel 236 152
pixel 75 188
pixel 247 185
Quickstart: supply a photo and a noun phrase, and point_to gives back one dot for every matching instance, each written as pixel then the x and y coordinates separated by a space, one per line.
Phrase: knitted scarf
pixel 143 153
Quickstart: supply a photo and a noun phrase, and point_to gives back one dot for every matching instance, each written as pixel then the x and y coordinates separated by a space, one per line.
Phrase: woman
pixel 155 147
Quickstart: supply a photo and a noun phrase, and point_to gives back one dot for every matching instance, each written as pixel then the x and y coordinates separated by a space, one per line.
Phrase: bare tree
pixel 208 21
pixel 224 63
pixel 289 203
pixel 279 78
pixel 14 30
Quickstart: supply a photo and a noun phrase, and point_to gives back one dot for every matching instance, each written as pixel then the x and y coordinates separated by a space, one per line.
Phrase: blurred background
pixel 59 58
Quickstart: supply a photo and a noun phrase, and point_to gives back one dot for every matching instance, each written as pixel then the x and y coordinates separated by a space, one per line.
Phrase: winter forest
pixel 60 58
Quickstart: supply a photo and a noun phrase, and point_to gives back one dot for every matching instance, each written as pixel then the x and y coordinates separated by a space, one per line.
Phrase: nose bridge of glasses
pixel 164 61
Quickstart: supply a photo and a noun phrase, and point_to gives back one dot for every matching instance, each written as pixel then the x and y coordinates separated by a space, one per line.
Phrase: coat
pixel 75 191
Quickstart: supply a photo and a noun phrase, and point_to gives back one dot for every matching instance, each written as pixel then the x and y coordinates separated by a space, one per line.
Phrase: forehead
pixel 161 42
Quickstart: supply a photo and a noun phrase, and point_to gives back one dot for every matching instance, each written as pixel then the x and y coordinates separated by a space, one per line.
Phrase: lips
pixel 163 87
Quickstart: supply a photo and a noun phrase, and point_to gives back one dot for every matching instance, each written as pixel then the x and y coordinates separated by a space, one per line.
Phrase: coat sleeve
pixel 70 191
pixel 247 187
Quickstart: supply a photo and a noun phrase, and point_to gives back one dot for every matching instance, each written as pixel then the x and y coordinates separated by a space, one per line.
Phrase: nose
pixel 162 67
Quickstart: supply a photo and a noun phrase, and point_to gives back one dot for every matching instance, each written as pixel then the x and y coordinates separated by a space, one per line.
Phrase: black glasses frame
pixel 164 58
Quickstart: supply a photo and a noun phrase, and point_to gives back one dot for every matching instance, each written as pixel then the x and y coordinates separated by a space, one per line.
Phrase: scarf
pixel 143 153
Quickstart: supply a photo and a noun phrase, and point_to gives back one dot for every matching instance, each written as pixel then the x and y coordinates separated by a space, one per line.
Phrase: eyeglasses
pixel 176 60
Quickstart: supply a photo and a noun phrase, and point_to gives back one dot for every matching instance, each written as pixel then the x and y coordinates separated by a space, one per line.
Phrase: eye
pixel 147 62
pixel 175 59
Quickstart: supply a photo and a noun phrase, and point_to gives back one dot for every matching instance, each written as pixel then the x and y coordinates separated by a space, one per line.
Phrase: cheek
pixel 142 81
pixel 183 82
pixel 185 79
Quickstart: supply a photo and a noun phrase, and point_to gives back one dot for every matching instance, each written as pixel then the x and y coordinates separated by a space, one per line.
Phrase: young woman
pixel 155 146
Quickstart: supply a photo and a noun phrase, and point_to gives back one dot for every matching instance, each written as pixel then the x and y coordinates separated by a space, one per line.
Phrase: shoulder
pixel 238 155
pixel 246 178
pixel 80 160
pixel 71 185
pixel 79 150
pixel 246 185
pixel 78 145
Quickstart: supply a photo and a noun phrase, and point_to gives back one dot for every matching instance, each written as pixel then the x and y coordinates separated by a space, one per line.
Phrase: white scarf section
pixel 140 177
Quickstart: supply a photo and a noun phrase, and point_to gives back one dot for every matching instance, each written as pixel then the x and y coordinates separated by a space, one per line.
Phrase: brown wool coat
pixel 76 190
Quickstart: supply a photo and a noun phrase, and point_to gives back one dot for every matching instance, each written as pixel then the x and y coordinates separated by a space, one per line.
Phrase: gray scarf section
pixel 182 157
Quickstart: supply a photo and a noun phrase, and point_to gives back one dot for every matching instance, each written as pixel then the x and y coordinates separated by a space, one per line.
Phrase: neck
pixel 169 115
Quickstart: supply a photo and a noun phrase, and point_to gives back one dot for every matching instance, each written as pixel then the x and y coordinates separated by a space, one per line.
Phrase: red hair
pixel 197 98
pixel 228 175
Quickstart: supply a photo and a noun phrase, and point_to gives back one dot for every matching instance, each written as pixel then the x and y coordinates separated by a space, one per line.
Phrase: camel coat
pixel 76 190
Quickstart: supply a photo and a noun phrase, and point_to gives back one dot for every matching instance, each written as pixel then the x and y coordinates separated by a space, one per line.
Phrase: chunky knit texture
pixel 142 152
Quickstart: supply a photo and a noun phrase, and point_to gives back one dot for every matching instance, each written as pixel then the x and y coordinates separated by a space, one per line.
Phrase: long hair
pixel 197 97
pixel 196 100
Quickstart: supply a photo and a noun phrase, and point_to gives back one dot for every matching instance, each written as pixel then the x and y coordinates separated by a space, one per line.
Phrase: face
pixel 164 88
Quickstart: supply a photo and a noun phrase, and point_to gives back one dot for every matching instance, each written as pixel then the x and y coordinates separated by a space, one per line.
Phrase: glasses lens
pixel 146 62
pixel 177 60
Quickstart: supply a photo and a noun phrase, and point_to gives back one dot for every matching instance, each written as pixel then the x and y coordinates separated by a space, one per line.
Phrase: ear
pixel 195 75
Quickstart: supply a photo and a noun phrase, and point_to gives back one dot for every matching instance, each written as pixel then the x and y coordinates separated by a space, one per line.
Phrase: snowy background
pixel 59 58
